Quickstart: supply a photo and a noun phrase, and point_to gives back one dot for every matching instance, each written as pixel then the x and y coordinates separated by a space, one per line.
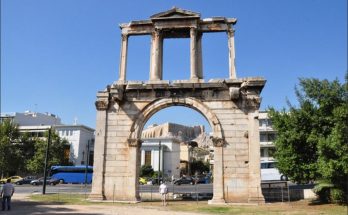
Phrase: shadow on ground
pixel 20 207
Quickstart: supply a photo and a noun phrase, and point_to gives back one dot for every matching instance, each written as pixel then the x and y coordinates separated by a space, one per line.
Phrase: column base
pixel 96 197
pixel 256 200
pixel 216 201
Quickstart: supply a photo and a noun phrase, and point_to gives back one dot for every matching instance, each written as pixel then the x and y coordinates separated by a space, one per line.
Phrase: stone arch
pixel 149 110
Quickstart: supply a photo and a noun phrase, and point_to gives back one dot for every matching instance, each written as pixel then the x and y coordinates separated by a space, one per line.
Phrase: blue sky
pixel 55 55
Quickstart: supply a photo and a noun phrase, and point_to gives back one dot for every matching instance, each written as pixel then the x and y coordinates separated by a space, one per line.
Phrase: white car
pixel 269 172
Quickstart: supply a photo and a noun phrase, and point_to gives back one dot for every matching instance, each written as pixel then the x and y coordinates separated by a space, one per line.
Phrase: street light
pixel 46 161
pixel 87 161
pixel 44 128
pixel 159 161
pixel 190 146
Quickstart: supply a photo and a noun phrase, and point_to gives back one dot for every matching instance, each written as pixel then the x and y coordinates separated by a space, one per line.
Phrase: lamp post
pixel 159 161
pixel 190 146
pixel 46 161
pixel 87 160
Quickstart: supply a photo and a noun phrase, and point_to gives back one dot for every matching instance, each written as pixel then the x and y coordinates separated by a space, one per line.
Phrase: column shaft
pixel 255 193
pixel 193 53
pixel 133 168
pixel 218 186
pixel 97 192
pixel 232 67
pixel 123 58
pixel 199 56
pixel 156 56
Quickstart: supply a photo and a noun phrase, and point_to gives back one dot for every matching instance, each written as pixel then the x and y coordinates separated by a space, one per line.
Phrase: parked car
pixel 184 180
pixel 201 180
pixel 25 180
pixel 154 181
pixel 14 179
pixel 270 172
pixel 49 180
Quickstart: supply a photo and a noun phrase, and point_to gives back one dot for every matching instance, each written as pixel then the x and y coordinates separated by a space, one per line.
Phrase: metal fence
pixel 272 192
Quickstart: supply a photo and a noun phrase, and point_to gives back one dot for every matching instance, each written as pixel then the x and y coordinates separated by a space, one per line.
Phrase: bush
pixel 146 171
pixel 327 192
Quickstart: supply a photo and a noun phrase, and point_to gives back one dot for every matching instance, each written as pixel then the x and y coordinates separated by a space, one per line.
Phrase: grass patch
pixel 73 199
pixel 294 208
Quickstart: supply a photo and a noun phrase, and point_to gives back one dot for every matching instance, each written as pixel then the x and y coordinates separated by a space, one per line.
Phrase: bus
pixel 72 174
pixel 269 172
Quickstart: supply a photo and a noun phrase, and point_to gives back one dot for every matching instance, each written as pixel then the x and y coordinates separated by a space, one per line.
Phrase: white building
pixel 81 139
pixel 79 136
pixel 267 137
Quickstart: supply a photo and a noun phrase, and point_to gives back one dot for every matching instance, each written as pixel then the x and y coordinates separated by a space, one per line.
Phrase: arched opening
pixel 177 150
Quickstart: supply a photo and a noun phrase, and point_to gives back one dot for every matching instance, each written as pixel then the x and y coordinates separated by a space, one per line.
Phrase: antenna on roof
pixel 75 120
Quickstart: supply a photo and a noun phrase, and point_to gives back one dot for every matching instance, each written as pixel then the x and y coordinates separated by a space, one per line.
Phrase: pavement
pixel 22 205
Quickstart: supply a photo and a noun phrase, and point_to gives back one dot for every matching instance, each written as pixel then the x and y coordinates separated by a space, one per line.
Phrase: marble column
pixel 193 54
pixel 97 192
pixel 199 56
pixel 156 56
pixel 218 184
pixel 123 57
pixel 232 66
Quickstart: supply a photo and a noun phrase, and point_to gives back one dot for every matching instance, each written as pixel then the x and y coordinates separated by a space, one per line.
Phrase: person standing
pixel 6 194
pixel 163 190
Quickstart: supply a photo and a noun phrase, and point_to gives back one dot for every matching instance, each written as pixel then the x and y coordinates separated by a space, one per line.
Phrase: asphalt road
pixel 78 188
pixel 59 188
pixel 179 189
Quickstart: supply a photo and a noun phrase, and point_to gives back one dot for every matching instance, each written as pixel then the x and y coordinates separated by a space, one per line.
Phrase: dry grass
pixel 201 207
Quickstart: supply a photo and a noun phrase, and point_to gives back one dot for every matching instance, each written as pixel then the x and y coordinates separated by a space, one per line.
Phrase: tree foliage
pixel 146 171
pixel 199 167
pixel 312 141
pixel 21 154
pixel 8 151
pixel 56 154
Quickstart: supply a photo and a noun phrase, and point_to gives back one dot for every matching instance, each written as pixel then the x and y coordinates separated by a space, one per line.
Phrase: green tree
pixel 56 155
pixel 9 138
pixel 199 167
pixel 312 138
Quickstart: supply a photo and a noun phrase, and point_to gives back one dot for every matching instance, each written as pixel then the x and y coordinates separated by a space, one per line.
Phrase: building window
pixel 263 138
pixel 262 152
pixel 147 157
pixel 271 137
pixel 271 152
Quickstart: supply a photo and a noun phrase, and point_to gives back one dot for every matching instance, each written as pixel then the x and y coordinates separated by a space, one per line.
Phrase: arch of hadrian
pixel 230 106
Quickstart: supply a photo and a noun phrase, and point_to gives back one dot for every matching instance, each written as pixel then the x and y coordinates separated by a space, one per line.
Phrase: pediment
pixel 175 13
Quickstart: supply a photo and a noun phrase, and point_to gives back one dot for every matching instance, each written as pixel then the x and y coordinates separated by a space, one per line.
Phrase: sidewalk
pixel 22 205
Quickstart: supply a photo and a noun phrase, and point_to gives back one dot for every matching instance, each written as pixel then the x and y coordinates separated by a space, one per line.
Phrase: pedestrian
pixel 6 194
pixel 163 190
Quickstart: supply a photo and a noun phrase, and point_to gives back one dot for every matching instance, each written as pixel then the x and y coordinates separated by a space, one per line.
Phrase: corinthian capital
pixel 218 142
pixel 124 37
pixel 134 142
pixel 102 104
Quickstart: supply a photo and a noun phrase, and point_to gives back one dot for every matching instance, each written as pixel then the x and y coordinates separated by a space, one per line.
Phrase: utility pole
pixel 46 161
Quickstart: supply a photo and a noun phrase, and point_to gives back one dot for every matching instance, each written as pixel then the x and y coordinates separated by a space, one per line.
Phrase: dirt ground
pixel 22 205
